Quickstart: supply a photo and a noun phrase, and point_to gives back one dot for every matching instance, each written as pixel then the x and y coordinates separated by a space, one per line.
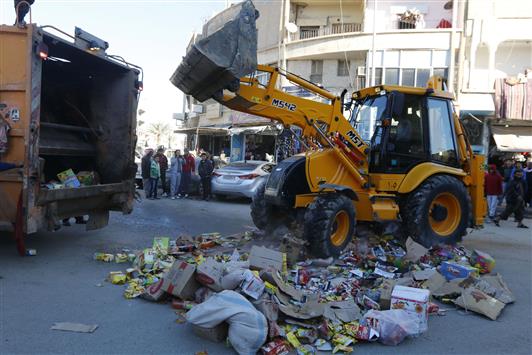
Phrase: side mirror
pixel 395 105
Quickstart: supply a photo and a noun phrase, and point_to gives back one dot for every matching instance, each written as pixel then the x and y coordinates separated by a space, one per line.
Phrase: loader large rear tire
pixel 329 224
pixel 438 211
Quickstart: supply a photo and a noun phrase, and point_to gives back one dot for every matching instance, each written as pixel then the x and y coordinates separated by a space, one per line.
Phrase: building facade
pixel 351 44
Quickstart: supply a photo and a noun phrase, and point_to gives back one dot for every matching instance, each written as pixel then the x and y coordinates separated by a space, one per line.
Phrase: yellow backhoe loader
pixel 400 156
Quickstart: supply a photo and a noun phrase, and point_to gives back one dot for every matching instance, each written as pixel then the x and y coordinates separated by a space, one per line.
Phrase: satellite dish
pixel 291 27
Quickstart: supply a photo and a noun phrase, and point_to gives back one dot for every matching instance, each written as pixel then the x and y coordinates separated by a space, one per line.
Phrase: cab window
pixel 442 142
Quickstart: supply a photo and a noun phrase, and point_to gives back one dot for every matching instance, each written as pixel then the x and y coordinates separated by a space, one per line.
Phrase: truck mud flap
pixel 226 52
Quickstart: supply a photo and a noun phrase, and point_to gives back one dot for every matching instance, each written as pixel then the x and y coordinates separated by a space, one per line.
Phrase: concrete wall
pixel 268 23
pixel 326 14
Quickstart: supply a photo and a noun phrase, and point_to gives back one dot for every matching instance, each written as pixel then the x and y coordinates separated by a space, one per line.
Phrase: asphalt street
pixel 63 284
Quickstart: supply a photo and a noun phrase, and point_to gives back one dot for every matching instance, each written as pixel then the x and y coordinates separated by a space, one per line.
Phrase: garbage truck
pixel 383 155
pixel 67 108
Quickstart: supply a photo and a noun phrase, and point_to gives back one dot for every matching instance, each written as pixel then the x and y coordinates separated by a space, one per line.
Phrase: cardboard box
pixel 216 334
pixel 477 301
pixel 154 292
pixel 412 300
pixel 264 258
pixel 482 261
pixel 210 273
pixel 180 282
pixel 451 270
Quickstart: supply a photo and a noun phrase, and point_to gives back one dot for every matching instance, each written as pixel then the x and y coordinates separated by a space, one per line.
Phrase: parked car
pixel 241 178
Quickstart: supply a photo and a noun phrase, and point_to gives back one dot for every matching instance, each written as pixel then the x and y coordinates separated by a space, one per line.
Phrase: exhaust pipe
pixel 226 52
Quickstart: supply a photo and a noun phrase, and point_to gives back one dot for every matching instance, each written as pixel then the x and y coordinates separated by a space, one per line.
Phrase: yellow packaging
pixel 292 339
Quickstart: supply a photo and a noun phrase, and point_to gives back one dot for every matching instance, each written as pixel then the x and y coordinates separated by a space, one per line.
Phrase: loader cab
pixel 406 129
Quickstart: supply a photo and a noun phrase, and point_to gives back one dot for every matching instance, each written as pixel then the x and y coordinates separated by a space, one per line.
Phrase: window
pixel 441 72
pixel 391 76
pixel 422 76
pixel 378 76
pixel 408 77
pixel 316 71
pixel 441 132
pixel 343 67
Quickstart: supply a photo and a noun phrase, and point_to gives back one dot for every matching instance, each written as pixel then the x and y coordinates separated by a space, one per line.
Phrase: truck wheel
pixel 329 224
pixel 261 211
pixel 438 211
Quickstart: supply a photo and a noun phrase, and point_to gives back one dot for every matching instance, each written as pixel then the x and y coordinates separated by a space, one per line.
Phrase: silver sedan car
pixel 241 178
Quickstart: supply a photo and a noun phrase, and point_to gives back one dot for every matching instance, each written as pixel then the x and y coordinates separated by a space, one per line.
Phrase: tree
pixel 159 131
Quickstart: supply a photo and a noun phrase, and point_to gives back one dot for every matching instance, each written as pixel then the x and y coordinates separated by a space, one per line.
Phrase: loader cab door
pixel 412 129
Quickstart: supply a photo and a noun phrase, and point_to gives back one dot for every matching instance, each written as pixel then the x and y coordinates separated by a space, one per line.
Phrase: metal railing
pixel 334 29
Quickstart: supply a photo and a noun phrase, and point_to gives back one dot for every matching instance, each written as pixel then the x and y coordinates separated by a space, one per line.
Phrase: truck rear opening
pixel 67 108
pixel 86 114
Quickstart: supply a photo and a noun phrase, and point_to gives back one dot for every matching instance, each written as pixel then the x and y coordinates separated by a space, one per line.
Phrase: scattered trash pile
pixel 271 301
pixel 68 179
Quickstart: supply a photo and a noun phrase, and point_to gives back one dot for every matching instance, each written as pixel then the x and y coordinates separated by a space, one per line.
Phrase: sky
pixel 153 34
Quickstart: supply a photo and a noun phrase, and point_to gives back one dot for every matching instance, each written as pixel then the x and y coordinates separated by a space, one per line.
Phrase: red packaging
pixel 276 347
pixel 366 333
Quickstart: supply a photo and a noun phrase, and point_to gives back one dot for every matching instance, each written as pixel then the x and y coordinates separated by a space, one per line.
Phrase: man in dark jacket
pixel 515 199
pixel 205 170
pixel 145 166
pixel 22 10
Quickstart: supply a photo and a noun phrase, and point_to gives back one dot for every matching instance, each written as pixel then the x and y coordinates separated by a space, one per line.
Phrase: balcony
pixel 306 32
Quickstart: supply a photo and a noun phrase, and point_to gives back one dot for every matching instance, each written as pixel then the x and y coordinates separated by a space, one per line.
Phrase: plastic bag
pixel 247 326
pixel 393 325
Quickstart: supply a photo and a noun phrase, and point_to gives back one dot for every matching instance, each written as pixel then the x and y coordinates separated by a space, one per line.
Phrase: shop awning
pixel 513 138
pixel 268 130
pixel 204 130
pixel 476 104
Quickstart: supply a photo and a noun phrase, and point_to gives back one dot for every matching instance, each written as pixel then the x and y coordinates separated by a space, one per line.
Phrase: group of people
pixel 512 184
pixel 155 168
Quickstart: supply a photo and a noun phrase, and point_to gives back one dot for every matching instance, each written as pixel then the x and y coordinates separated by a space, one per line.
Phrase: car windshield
pixel 366 113
pixel 241 166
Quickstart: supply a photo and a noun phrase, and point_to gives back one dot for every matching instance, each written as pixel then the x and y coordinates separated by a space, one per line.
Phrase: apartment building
pixel 351 44
pixel 495 76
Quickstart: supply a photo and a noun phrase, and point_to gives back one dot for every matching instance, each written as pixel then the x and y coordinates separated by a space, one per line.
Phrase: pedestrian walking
pixel 176 169
pixel 493 189
pixel 163 165
pixel 155 173
pixel 528 179
pixel 145 166
pixel 205 170
pixel 515 200
pixel 189 167
pixel 507 172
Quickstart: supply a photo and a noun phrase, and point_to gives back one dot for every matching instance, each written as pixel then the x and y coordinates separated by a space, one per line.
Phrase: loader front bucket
pixel 226 52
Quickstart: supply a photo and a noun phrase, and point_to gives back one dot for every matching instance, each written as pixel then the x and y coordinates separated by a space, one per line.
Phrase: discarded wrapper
pixel 252 285
pixel 477 301
pixel 482 261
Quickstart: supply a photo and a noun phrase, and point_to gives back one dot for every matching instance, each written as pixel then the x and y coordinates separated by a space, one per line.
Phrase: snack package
pixel 68 178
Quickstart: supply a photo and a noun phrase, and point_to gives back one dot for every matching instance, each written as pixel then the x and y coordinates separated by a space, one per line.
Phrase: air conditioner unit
pixel 361 71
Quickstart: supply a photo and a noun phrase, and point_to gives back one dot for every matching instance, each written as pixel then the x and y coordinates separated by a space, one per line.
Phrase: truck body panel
pixel 75 110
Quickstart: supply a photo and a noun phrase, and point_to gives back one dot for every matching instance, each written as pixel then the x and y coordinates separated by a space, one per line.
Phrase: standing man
pixel 155 173
pixel 205 170
pixel 189 167
pixel 528 179
pixel 515 200
pixel 163 165
pixel 176 169
pixel 22 10
pixel 493 186
pixel 145 166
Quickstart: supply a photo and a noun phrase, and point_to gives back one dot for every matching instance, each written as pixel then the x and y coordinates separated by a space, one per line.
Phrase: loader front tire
pixel 329 224
pixel 438 211
pixel 266 216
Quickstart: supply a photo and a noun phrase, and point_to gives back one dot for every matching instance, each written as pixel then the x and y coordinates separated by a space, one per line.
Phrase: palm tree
pixel 159 130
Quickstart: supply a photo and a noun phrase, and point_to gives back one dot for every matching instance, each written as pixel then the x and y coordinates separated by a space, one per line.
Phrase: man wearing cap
pixel 515 199
pixel 493 188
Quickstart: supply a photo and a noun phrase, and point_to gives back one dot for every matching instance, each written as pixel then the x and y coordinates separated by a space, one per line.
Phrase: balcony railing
pixel 306 32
